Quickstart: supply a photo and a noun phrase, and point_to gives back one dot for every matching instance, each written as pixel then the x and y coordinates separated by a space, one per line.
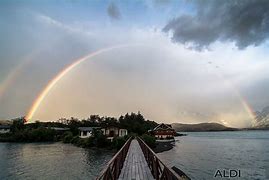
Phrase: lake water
pixel 201 154
pixel 50 161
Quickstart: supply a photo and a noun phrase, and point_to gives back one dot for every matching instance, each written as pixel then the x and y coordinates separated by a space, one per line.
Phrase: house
pixel 112 132
pixel 164 131
pixel 86 132
pixel 4 129
pixel 59 130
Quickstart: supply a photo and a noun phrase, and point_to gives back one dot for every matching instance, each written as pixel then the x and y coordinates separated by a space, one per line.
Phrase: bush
pixel 68 136
pixel 39 135
pixel 30 135
pixel 97 140
pixel 82 142
pixel 118 142
pixel 149 140
pixel 100 140
pixel 74 140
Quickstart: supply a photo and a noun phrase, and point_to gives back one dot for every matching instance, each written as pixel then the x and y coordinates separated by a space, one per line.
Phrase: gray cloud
pixel 162 2
pixel 243 22
pixel 113 11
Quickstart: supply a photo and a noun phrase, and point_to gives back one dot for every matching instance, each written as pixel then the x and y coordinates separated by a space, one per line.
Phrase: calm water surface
pixel 200 154
pixel 50 161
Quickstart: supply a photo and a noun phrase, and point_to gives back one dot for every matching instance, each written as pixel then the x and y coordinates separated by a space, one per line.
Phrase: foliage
pixel 118 142
pixel 30 135
pixel 40 134
pixel 99 139
pixel 149 140
pixel 68 137
pixel 18 124
pixel 135 123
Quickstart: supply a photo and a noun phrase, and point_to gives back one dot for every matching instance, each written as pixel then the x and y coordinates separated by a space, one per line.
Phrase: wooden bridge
pixel 136 161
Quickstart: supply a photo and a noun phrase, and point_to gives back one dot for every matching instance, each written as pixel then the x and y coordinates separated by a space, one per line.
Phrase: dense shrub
pixel 149 140
pixel 75 139
pixel 30 135
pixel 67 137
pixel 118 142
pixel 135 123
pixel 97 140
pixel 100 140
pixel 41 134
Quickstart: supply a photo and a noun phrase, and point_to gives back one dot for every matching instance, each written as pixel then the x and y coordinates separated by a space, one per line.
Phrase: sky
pixel 174 61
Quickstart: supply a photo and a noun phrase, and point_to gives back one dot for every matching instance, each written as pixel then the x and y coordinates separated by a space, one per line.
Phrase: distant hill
pixel 201 127
pixel 262 119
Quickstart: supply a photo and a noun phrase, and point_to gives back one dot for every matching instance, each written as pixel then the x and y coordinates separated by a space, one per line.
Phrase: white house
pixel 112 132
pixel 86 132
pixel 4 129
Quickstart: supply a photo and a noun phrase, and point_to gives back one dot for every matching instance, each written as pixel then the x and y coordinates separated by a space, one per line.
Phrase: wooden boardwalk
pixel 135 165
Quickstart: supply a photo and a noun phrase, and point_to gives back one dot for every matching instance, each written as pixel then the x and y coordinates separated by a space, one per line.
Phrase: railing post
pixel 155 165
pixel 113 169
pixel 155 168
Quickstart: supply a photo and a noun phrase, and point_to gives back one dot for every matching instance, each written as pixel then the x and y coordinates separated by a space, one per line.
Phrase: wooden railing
pixel 114 166
pixel 158 169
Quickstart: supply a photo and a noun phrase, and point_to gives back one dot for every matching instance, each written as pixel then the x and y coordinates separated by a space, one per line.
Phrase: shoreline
pixel 163 146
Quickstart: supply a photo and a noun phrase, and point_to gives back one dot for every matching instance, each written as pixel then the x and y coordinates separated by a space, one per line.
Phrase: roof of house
pixel 59 128
pixel 88 128
pixel 4 127
pixel 110 127
pixel 163 126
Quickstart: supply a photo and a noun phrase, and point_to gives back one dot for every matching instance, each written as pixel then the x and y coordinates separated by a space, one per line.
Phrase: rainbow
pixel 15 73
pixel 12 76
pixel 243 100
pixel 60 75
pixel 248 108
pixel 77 62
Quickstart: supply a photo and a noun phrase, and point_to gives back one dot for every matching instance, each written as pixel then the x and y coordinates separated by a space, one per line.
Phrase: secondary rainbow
pixel 15 73
pixel 243 100
pixel 60 75
pixel 67 69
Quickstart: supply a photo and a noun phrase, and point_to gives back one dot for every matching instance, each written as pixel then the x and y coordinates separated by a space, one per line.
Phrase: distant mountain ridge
pixel 201 127
pixel 262 118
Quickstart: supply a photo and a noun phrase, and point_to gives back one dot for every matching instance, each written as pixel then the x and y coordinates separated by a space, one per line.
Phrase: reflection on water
pixel 50 161
pixel 200 154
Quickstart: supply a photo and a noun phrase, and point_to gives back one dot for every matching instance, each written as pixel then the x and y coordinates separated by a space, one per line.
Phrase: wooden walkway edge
pixel 135 166
pixel 137 161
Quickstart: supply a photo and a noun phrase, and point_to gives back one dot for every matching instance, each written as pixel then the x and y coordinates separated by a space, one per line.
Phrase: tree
pixel 18 124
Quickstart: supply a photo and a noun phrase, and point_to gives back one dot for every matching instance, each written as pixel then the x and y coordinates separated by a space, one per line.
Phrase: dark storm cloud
pixel 113 11
pixel 244 22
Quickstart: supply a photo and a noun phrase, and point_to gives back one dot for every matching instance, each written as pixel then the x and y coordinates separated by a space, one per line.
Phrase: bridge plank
pixel 135 166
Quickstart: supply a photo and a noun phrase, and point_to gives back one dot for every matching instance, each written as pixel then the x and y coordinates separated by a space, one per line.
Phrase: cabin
pixel 86 132
pixel 112 132
pixel 164 131
pixel 4 129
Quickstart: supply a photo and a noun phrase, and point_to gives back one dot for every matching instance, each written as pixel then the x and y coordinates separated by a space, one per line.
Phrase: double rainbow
pixel 69 68
pixel 60 75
